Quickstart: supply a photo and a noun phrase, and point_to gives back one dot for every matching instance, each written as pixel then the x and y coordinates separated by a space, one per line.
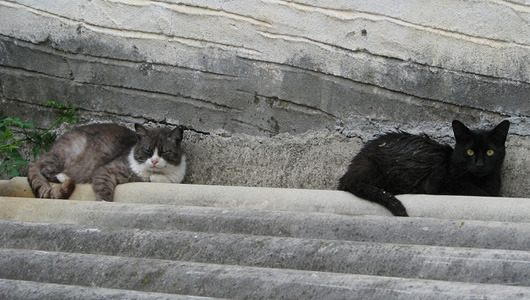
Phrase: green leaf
pixel 4 165
pixel 11 147
pixel 14 172
pixel 28 125
pixel 15 154
pixel 10 121
pixel 36 151
pixel 54 104
pixel 38 140
pixel 6 135
pixel 48 140
pixel 16 121
pixel 20 163
pixel 7 121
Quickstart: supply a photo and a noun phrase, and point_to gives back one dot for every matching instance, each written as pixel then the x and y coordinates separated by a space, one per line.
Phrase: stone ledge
pixel 325 201
pixel 457 264
pixel 26 290
pixel 308 225
pixel 230 281
pixel 240 242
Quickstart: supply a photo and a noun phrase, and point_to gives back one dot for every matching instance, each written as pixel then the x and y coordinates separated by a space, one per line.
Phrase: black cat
pixel 402 163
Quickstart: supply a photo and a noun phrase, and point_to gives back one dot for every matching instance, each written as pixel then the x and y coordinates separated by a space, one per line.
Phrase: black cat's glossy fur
pixel 402 163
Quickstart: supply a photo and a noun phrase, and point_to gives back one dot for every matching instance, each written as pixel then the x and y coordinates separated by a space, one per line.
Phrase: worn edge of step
pixel 432 206
pixel 32 290
pixel 212 280
pixel 427 231
pixel 492 266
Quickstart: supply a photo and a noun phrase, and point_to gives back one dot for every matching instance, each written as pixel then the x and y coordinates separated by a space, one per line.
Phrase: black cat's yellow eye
pixel 490 152
pixel 470 152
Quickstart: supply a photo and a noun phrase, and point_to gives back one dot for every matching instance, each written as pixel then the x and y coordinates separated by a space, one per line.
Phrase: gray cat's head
pixel 157 147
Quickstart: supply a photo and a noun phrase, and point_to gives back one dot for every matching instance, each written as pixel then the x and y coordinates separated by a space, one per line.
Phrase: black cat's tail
pixel 42 188
pixel 374 194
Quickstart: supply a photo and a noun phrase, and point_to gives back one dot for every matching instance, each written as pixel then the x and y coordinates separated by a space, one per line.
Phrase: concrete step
pixel 339 202
pixel 228 281
pixel 418 231
pixel 367 258
pixel 260 243
pixel 32 290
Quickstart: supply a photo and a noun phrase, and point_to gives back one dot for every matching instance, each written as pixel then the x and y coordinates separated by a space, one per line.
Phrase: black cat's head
pixel 158 146
pixel 479 152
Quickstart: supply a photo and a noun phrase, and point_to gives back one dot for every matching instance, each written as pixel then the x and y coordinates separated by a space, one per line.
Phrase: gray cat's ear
pixel 500 131
pixel 177 134
pixel 460 130
pixel 140 129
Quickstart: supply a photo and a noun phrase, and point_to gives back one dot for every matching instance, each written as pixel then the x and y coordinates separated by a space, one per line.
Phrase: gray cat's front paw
pixel 61 177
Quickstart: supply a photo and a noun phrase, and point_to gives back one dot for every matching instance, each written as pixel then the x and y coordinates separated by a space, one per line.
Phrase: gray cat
pixel 106 155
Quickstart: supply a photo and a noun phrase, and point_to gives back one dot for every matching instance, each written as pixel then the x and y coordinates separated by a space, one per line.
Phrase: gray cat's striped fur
pixel 106 155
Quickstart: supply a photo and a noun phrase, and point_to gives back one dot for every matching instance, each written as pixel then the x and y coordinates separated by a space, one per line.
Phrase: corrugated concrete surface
pixel 191 245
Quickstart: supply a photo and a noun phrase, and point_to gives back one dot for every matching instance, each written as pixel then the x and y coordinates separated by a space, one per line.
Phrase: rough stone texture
pixel 30 290
pixel 274 92
pixel 309 160
pixel 264 222
pixel 61 249
pixel 229 281
pixel 407 261
pixel 305 200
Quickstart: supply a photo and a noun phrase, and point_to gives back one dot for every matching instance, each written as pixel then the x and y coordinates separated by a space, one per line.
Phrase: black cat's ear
pixel 140 129
pixel 500 131
pixel 462 133
pixel 177 134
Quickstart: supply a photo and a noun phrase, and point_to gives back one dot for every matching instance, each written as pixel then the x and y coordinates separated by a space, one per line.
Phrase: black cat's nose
pixel 479 163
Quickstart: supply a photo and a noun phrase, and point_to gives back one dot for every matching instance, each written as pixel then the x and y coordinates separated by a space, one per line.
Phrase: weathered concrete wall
pixel 275 93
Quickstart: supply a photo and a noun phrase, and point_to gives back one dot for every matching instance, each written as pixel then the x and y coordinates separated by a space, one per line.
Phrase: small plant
pixel 10 144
